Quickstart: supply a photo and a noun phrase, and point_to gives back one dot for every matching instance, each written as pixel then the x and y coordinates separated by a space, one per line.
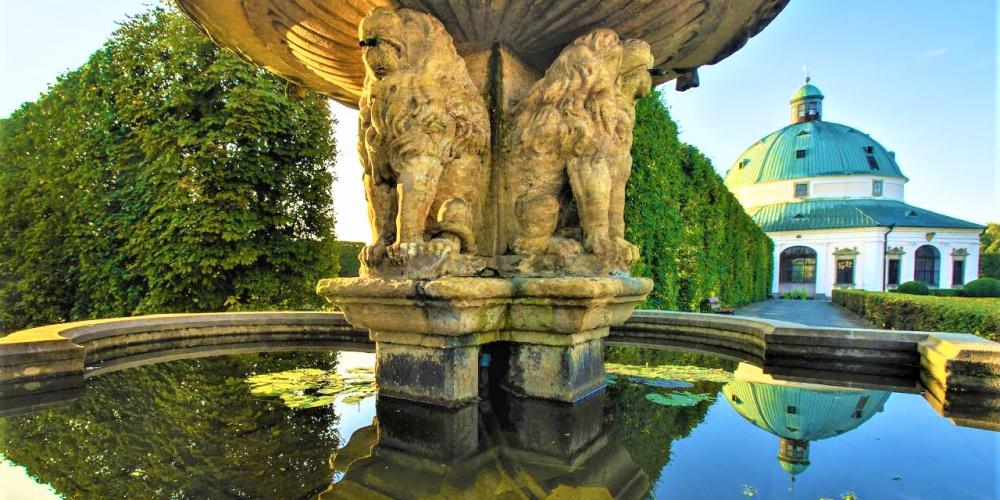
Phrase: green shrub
pixel 913 288
pixel 979 316
pixel 946 292
pixel 696 239
pixel 796 294
pixel 982 287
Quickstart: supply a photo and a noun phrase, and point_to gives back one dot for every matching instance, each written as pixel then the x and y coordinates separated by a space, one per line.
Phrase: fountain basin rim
pixel 952 366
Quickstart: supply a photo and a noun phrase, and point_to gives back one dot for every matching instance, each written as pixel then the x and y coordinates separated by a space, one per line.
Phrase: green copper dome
pixel 811 149
pixel 807 90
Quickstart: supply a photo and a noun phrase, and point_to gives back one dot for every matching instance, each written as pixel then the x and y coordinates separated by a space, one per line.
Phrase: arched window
pixel 927 265
pixel 797 265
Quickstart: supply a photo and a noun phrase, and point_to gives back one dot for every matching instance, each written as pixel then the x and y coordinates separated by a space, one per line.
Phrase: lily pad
pixel 677 398
pixel 684 373
pixel 661 383
pixel 312 387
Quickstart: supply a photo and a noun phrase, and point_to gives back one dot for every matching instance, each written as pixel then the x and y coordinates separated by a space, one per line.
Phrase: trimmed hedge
pixel 696 240
pixel 913 288
pixel 982 287
pixel 924 313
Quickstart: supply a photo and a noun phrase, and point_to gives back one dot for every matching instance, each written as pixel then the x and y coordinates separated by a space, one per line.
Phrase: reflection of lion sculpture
pixel 424 136
pixel 568 151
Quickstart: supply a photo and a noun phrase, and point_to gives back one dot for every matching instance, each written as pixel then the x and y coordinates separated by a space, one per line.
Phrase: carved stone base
pixel 428 333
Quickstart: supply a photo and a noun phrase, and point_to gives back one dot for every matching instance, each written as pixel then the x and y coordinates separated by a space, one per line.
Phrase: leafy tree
pixel 989 252
pixel 163 175
pixel 696 240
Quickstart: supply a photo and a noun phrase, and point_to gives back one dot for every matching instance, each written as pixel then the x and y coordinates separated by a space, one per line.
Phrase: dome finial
pixel 806 70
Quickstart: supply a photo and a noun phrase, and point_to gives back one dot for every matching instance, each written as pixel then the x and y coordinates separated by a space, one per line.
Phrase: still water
pixel 305 424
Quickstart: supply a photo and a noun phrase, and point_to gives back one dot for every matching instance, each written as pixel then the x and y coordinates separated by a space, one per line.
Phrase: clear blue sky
pixel 919 76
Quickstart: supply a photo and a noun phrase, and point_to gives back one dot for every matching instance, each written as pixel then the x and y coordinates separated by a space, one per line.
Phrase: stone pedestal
pixel 428 333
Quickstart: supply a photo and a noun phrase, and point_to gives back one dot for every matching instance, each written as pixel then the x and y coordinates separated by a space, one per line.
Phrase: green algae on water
pixel 312 387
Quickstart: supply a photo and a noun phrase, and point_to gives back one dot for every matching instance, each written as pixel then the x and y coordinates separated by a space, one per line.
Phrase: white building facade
pixel 832 200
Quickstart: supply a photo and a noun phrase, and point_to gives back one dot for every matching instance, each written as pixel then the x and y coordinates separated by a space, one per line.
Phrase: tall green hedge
pixel 696 239
pixel 897 311
pixel 163 175
pixel 989 252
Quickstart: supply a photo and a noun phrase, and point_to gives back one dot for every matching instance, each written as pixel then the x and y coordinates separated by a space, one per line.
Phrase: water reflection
pixel 503 446
pixel 185 429
pixel 799 413
pixel 192 429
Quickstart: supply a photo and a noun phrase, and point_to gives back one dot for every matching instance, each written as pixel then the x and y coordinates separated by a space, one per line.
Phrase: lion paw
pixel 598 245
pixel 442 246
pixel 373 254
pixel 625 253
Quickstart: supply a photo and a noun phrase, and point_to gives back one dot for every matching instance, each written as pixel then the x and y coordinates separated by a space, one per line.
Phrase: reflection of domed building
pixel 799 413
pixel 831 198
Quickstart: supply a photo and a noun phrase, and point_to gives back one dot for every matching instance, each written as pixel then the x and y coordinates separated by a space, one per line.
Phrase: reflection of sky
pixel 18 484
pixel 353 416
pixel 933 457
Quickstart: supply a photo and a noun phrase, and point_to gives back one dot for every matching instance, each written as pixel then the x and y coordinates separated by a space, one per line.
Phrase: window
pixel 876 188
pixel 845 271
pixel 812 108
pixel 958 272
pixel 792 410
pixel 802 110
pixel 801 189
pixel 745 162
pixel 892 276
pixel 872 162
pixel 800 153
pixel 869 150
pixel 797 265
pixel 927 265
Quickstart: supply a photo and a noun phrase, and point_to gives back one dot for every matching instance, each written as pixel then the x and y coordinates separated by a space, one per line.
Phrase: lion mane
pixel 425 109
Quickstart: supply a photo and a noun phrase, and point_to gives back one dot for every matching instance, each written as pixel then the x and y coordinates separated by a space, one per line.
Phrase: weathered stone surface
pixel 565 374
pixel 424 141
pixel 566 156
pixel 315 43
pixel 446 377
pixel 555 325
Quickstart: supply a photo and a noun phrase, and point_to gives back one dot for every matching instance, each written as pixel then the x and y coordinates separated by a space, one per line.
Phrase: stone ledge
pixel 487 309
pixel 56 357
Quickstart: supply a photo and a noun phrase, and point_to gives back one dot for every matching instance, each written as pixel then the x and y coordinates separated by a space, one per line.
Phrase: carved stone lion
pixel 567 152
pixel 424 140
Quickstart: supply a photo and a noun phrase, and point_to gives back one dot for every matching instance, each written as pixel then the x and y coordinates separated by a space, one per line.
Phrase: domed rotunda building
pixel 831 198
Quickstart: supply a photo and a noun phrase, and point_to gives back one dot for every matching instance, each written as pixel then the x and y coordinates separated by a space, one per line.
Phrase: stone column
pixel 559 373
pixel 444 376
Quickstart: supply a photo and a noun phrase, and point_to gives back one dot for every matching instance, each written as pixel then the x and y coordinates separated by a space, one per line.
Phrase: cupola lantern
pixel 807 104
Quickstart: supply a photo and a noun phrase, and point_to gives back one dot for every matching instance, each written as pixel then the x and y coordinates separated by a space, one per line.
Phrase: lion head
pixel 419 82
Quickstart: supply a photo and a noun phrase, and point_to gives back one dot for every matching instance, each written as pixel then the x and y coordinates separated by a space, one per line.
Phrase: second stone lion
pixel 568 153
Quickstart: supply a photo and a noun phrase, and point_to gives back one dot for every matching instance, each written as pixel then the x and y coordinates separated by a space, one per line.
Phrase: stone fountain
pixel 495 138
